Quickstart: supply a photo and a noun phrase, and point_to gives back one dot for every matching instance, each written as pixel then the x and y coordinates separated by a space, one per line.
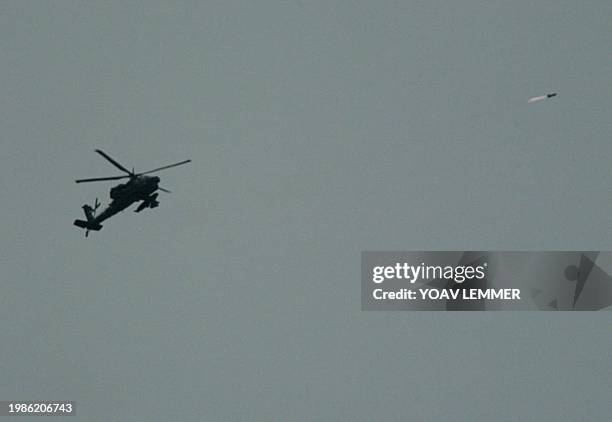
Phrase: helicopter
pixel 140 187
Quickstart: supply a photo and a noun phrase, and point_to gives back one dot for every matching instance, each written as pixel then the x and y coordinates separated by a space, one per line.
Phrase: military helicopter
pixel 140 187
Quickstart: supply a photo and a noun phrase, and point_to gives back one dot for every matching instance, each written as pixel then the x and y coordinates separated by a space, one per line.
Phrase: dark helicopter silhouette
pixel 140 187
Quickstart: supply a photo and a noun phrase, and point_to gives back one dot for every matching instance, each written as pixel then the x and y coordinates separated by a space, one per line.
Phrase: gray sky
pixel 317 130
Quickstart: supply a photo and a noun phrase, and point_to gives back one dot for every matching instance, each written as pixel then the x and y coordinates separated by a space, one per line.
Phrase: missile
pixel 541 97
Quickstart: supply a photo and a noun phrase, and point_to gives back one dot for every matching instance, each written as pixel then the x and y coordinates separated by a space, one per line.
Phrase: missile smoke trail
pixel 541 97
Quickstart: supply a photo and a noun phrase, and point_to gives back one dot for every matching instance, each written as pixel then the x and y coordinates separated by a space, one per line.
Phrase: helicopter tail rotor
pixel 90 214
pixel 93 214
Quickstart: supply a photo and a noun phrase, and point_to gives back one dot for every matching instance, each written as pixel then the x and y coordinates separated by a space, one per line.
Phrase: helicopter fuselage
pixel 138 188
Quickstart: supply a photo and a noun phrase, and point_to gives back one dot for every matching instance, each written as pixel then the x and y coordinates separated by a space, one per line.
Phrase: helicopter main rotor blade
pixel 99 179
pixel 166 167
pixel 116 164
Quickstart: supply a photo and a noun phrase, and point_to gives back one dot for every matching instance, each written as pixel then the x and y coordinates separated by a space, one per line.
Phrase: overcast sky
pixel 317 129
